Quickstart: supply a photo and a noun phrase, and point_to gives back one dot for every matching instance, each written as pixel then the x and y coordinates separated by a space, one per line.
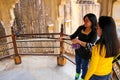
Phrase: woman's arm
pixel 63 37
pixel 73 36
pixel 87 45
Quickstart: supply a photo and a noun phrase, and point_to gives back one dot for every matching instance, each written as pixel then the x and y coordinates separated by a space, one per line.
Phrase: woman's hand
pixel 63 37
pixel 77 41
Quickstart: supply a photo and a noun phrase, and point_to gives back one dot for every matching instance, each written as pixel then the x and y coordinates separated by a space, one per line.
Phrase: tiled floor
pixel 36 68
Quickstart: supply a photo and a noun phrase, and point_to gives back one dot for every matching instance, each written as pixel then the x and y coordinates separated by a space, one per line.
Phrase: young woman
pixel 85 36
pixel 103 52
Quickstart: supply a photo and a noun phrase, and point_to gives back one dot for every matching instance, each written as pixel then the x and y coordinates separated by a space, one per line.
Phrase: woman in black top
pixel 85 36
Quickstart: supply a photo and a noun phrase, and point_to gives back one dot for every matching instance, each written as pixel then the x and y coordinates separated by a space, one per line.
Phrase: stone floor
pixel 36 68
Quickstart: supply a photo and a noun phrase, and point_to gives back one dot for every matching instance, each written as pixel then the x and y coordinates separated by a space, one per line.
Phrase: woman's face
pixel 99 31
pixel 87 22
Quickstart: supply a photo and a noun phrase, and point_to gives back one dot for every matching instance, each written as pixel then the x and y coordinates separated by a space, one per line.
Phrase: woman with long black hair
pixel 106 48
pixel 84 36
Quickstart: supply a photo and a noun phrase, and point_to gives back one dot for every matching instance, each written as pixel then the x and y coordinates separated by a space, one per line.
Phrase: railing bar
pixel 5 43
pixel 69 60
pixel 6 49
pixel 67 43
pixel 66 34
pixel 5 36
pixel 6 56
pixel 38 54
pixel 41 34
pixel 42 52
pixel 47 38
pixel 116 74
pixel 38 47
pixel 118 63
pixel 38 41
pixel 35 37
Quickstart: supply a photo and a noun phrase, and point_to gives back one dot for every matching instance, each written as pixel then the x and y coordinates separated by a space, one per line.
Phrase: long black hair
pixel 93 19
pixel 109 36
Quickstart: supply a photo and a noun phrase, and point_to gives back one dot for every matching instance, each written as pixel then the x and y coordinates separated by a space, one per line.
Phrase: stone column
pixel 115 12
pixel 106 7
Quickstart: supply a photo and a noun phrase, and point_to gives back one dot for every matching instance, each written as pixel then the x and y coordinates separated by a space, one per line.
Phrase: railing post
pixel 61 43
pixel 61 60
pixel 17 58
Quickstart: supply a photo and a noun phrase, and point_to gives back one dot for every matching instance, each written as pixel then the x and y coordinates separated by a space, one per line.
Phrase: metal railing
pixel 42 44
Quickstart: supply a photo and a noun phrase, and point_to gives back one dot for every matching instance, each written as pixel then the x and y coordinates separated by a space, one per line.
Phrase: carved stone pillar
pixel 115 12
pixel 106 7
